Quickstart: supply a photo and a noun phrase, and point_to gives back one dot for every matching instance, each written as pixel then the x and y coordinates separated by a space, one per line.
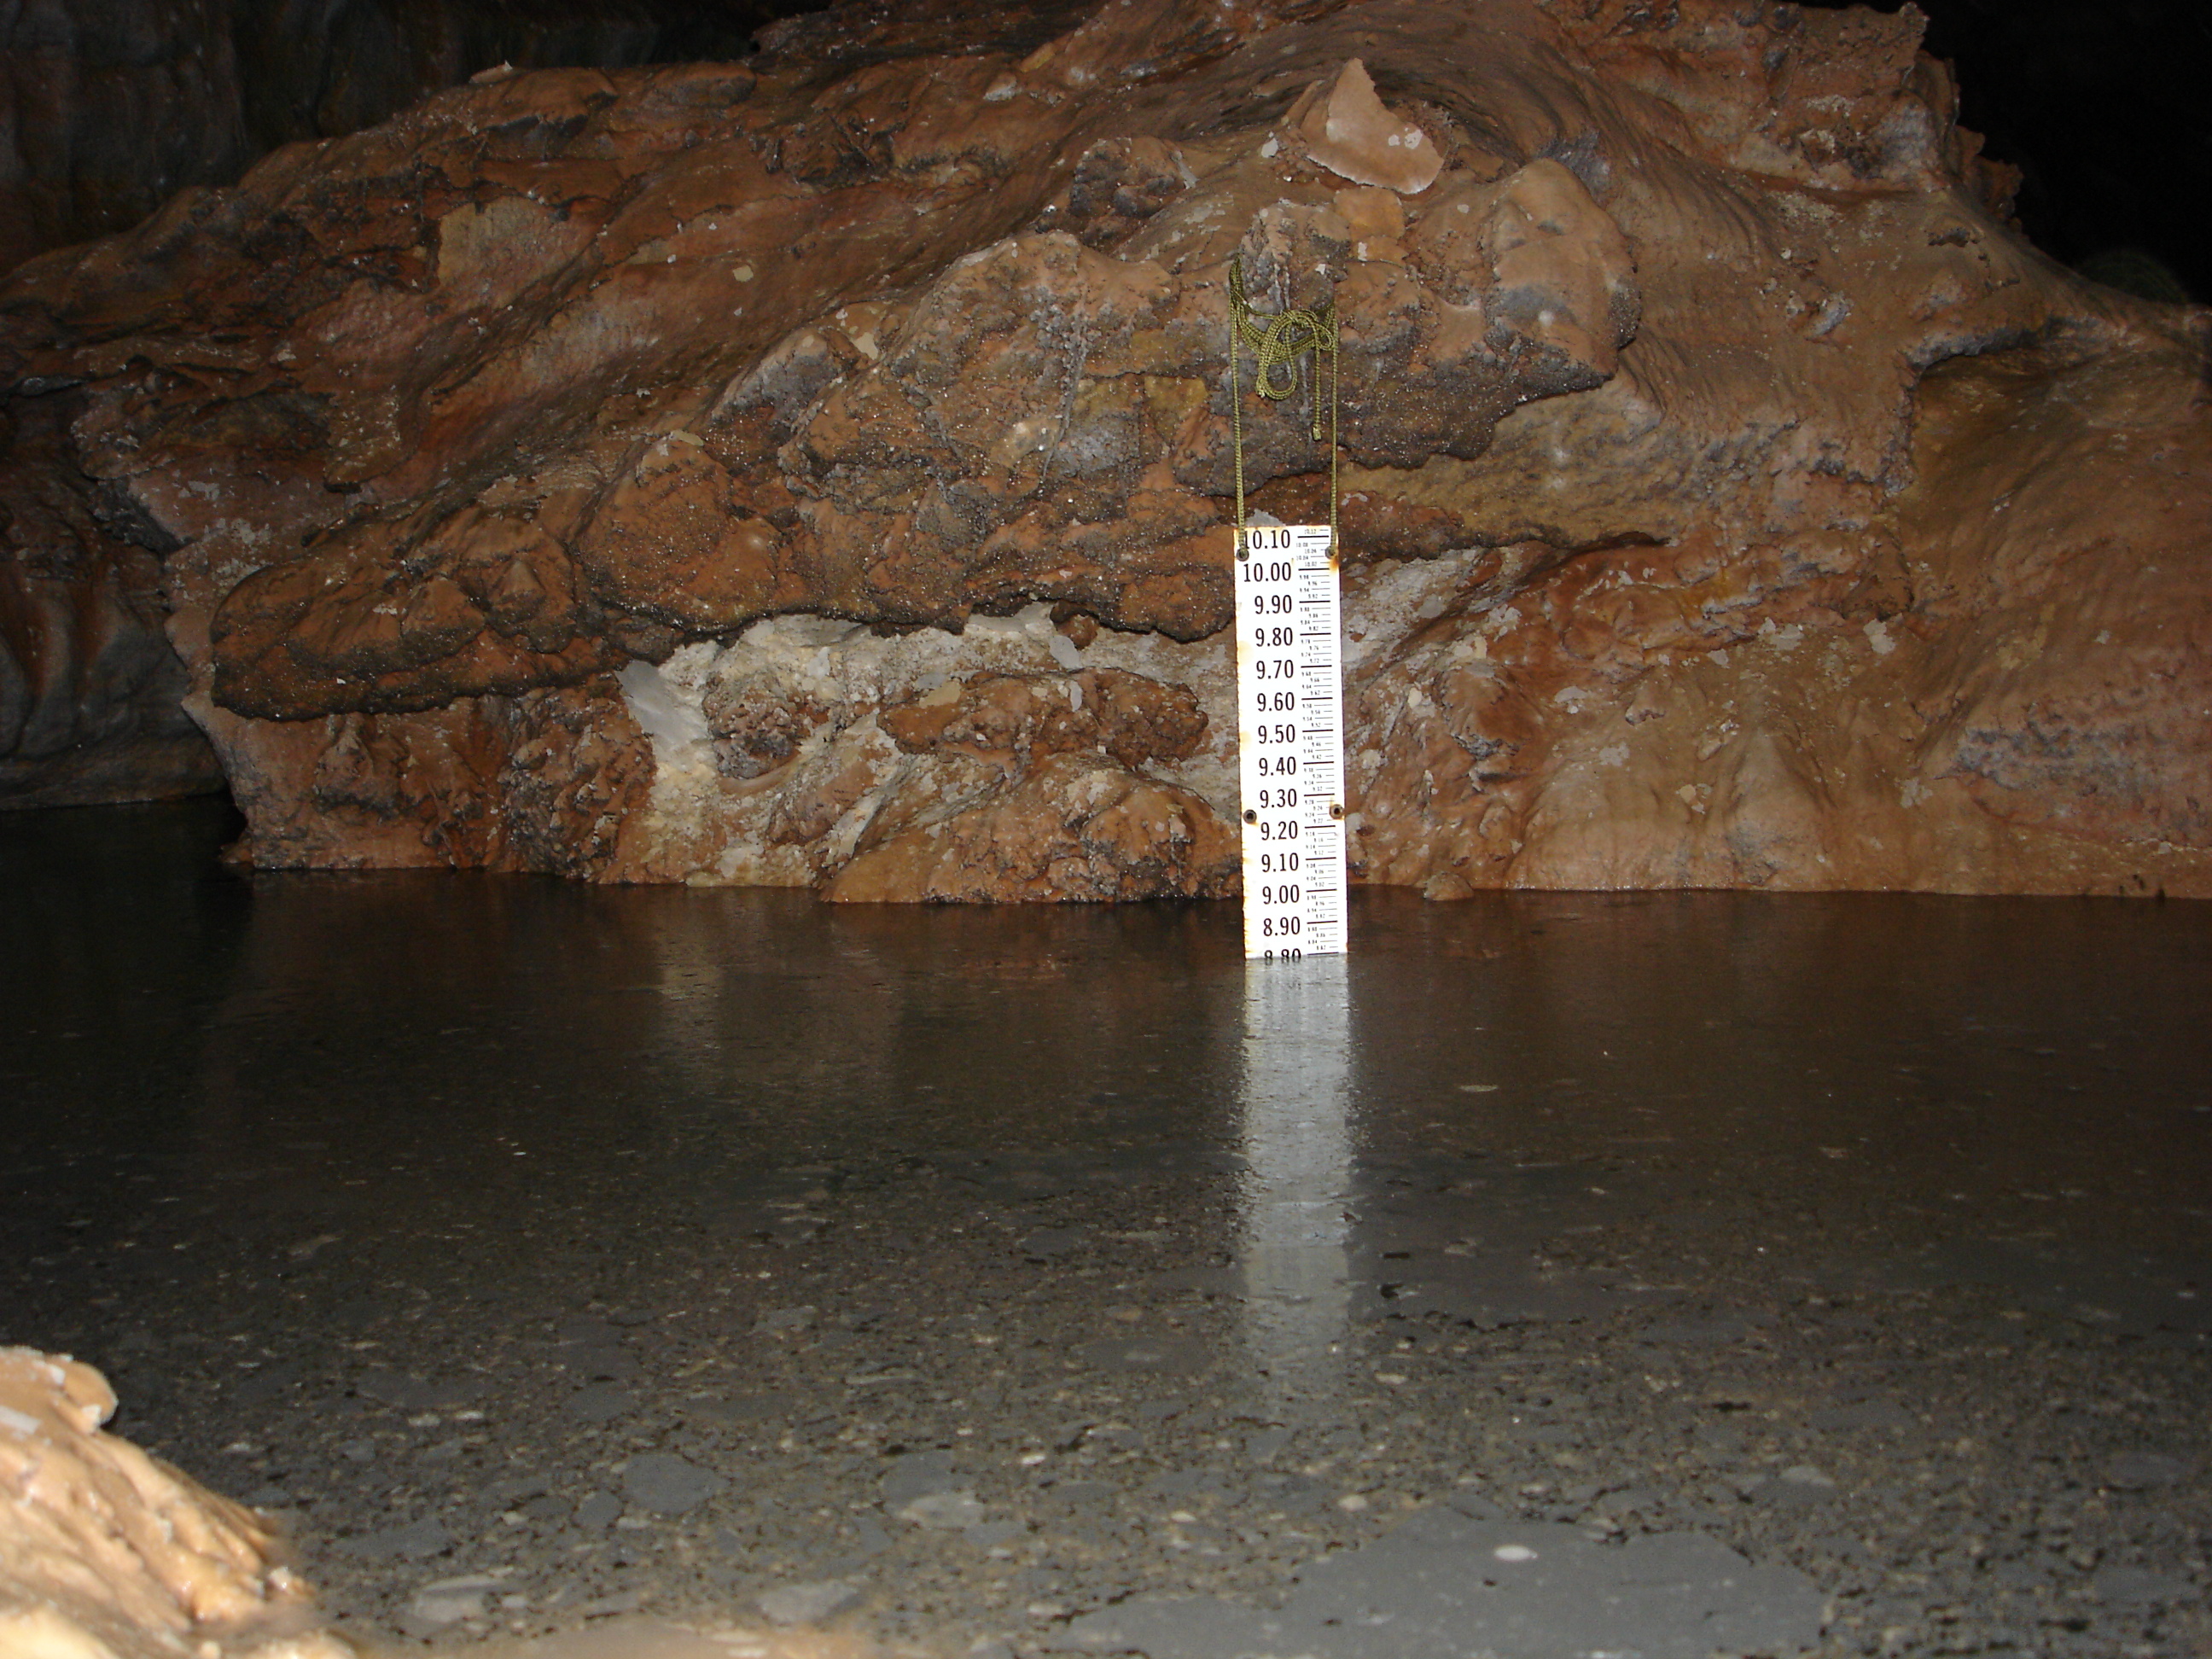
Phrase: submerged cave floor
pixel 548 1253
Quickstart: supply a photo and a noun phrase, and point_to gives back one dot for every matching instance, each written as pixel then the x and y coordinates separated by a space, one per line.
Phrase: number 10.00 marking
pixel 1291 747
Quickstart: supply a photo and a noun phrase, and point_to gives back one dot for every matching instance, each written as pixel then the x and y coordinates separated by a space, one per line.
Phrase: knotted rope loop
pixel 1278 343
pixel 1277 348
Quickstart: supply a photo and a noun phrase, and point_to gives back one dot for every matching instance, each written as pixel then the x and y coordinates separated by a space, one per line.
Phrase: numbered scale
pixel 1290 728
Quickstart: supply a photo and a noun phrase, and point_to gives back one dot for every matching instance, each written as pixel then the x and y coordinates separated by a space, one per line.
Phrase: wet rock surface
pixel 1767 1271
pixel 1731 499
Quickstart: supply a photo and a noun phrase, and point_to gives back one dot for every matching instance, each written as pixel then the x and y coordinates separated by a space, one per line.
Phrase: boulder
pixel 620 473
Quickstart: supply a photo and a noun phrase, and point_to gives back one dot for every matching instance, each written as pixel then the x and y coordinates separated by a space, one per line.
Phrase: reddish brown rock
pixel 610 472
pixel 89 688
pixel 1022 717
pixel 1072 828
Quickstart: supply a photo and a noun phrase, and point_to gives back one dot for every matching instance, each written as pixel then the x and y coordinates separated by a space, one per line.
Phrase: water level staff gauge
pixel 1289 730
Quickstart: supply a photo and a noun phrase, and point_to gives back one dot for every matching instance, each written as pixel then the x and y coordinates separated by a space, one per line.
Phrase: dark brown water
pixel 378 1177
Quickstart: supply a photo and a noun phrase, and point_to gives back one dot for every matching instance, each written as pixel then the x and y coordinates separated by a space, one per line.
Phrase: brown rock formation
pixel 610 473
pixel 90 690
pixel 108 107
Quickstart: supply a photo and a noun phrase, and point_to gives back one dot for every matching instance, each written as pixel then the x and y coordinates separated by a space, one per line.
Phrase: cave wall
pixel 815 470
pixel 91 692
pixel 109 108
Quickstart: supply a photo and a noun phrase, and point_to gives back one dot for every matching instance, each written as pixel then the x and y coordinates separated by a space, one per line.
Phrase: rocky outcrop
pixel 109 108
pixel 90 692
pixel 108 1553
pixel 817 469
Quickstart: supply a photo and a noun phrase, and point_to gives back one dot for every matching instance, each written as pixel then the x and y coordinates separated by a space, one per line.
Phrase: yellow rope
pixel 1277 349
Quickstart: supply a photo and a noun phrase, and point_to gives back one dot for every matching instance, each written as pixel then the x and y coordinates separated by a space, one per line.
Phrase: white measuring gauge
pixel 1289 730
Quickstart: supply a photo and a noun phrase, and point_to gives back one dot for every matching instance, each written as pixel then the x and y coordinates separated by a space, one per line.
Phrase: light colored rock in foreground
pixel 816 470
pixel 108 1553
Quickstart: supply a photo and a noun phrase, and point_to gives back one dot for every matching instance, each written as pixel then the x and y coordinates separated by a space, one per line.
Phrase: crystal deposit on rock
pixel 108 1553
pixel 817 470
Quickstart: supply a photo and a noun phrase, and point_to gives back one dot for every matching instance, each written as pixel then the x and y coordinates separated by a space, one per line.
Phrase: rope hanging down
pixel 1277 349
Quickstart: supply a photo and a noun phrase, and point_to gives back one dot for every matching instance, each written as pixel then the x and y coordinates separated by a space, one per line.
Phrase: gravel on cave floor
pixel 1562 1273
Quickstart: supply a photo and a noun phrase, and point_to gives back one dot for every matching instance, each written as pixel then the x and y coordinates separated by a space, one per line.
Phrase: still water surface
pixel 266 1132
